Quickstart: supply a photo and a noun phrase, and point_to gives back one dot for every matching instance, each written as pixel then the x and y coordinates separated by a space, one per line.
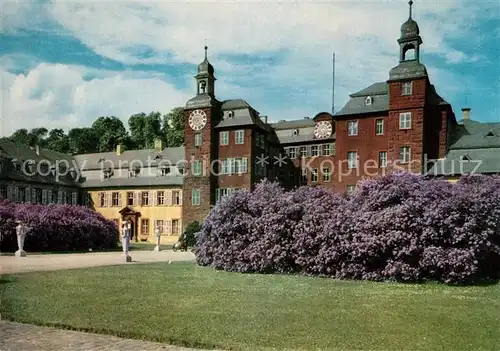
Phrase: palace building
pixel 399 124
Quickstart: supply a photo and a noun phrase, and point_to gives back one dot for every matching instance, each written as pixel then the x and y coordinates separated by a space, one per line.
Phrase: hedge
pixel 399 227
pixel 56 228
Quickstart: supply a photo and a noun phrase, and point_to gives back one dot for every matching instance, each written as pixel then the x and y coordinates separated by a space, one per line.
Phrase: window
pixel 352 128
pixel 314 175
pixel 350 189
pixel 195 197
pixel 382 159
pixel 465 158
pixel 404 154
pixel 175 227
pixel 60 197
pixel 303 151
pixel 224 138
pixel 405 120
pixel 368 101
pixel 406 88
pixel 160 225
pixel 314 150
pixel 303 176
pixel 50 197
pixel 102 200
pixel 292 152
pixel 197 168
pixel 295 132
pixel 145 226
pixel 106 174
pixel 38 195
pixel 326 174
pixel 164 171
pixel 145 198
pixel 160 198
pixel 134 172
pixel 352 159
pixel 3 191
pixel 379 127
pixel 115 198
pixel 130 198
pixel 220 193
pixel 239 136
pixel 197 139
pixel 74 198
pixel 241 165
pixel 176 197
pixel 327 149
pixel 230 114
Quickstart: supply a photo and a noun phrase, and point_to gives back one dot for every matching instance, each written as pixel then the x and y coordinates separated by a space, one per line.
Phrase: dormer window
pixel 100 160
pixel 295 132
pixel 466 158
pixel 490 134
pixel 230 114
pixel 368 101
pixel 164 171
pixel 107 173
pixel 134 171
pixel 158 157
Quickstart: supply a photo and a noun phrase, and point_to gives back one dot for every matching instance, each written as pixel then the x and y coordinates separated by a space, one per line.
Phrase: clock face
pixel 323 130
pixel 197 119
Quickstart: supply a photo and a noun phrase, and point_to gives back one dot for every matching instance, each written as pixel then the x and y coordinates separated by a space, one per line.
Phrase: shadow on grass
pixel 125 335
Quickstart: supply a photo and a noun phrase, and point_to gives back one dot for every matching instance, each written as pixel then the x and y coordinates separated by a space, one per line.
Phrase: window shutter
pixel 180 197
pixel 137 198
pixel 150 198
pixel 120 199
pixel 28 194
pixel 168 197
pixel 168 230
pixel 154 201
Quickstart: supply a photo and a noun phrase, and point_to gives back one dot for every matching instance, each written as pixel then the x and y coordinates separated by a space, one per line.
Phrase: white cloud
pixel 363 35
pixel 57 96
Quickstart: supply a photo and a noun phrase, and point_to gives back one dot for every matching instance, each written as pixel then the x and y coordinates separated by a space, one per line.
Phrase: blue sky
pixel 63 63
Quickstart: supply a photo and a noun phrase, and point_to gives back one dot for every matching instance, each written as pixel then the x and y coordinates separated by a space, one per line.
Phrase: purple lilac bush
pixel 400 227
pixel 56 228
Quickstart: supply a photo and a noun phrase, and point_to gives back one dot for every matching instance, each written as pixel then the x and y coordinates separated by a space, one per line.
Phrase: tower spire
pixel 411 4
pixel 206 48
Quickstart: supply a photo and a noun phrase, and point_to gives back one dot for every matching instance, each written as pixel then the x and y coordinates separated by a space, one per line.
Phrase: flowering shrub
pixel 56 228
pixel 399 227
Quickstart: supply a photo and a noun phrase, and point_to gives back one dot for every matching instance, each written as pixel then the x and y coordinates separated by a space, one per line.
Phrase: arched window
pixel 230 114
pixel 295 132
pixel 203 86
pixel 368 100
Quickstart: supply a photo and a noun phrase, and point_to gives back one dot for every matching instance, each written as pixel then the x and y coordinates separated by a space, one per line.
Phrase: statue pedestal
pixel 20 253
pixel 126 244
pixel 127 258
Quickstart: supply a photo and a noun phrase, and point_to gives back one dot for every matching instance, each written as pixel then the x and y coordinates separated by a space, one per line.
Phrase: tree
pixel 58 141
pixel 34 137
pixel 144 129
pixel 83 141
pixel 173 127
pixel 111 132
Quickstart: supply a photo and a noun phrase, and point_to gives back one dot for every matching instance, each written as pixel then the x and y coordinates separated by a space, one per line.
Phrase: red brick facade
pixel 400 124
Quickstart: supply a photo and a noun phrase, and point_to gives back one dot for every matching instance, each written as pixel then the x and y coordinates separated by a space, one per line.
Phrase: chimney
pixel 264 119
pixel 119 149
pixel 466 113
pixel 158 145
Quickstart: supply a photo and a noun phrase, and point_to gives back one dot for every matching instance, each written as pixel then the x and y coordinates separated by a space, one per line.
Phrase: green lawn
pixel 183 304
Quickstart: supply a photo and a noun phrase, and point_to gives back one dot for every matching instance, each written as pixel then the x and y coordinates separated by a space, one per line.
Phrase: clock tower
pixel 201 114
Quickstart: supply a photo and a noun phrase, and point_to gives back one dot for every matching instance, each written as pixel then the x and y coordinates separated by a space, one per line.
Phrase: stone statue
pixel 126 232
pixel 21 231
pixel 158 236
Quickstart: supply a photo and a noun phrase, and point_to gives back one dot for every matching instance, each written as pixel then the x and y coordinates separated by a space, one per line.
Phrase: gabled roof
pixel 242 115
pixel 293 124
pixel 471 134
pixel 379 93
pixel 457 162
pixel 171 155
pixel 170 180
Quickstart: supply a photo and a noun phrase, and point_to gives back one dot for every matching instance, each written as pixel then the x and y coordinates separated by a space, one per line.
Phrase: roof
pixel 291 139
pixel 379 93
pixel 297 123
pixel 172 180
pixel 42 161
pixel 242 115
pixel 485 160
pixel 172 155
pixel 471 134
pixel 408 69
